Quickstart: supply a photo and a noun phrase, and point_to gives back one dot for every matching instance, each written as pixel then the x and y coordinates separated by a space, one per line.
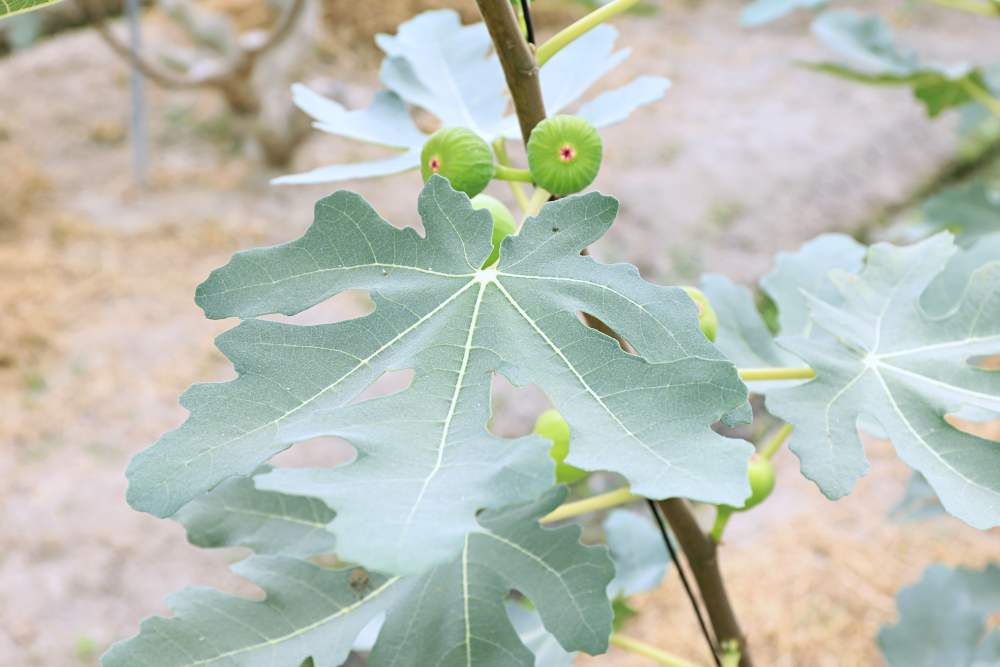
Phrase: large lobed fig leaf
pixel 941 317
pixel 454 614
pixel 890 359
pixel 425 453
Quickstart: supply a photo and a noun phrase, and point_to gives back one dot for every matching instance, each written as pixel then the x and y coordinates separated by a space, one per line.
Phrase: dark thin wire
pixel 684 581
pixel 529 28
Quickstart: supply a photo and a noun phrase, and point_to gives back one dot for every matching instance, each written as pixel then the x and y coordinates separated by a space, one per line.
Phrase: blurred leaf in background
pixel 11 7
pixel 868 42
pixel 943 620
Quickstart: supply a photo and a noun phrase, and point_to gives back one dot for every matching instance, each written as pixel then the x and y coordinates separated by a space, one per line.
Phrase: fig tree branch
pixel 702 556
pixel 518 62
pixel 521 72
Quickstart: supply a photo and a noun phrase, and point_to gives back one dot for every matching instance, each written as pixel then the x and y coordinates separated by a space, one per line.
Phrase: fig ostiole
pixel 564 154
pixel 461 156
pixel 503 223
pixel 552 426
pixel 707 319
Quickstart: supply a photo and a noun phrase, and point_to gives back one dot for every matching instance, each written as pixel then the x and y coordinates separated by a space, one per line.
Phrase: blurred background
pixel 101 249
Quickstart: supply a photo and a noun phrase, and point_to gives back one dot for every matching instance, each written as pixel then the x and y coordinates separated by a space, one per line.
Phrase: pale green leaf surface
pixel 456 614
pixel 942 620
pixel 868 41
pixel 539 641
pixel 236 514
pixel 578 66
pixel 397 164
pixel 425 452
pixel 971 211
pixel 943 292
pixel 12 7
pixel 805 274
pixel 638 553
pixel 907 370
pixel 435 62
pixel 386 121
pixel 616 105
pixel 919 502
pixel 451 71
pixel 759 12
pixel 742 335
pixel 308 612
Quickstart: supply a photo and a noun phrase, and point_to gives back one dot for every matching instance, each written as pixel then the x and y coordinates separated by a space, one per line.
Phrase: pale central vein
pixel 446 427
pixel 343 611
pixel 922 441
pixel 465 602
pixel 583 382
pixel 395 339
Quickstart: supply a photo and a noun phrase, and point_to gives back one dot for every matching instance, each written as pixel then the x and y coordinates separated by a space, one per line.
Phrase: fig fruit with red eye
pixel 564 154
pixel 461 156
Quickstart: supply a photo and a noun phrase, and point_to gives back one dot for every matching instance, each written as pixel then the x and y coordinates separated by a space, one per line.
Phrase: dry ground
pixel 99 333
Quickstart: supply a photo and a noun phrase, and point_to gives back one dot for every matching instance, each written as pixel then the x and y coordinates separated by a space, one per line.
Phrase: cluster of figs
pixel 564 156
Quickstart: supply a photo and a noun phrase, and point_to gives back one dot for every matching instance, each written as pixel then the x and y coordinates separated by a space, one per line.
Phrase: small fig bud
pixel 551 425
pixel 707 319
pixel 461 156
pixel 503 222
pixel 564 154
pixel 761 474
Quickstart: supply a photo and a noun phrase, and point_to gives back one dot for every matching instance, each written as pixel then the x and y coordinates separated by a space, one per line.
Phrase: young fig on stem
pixel 551 425
pixel 564 154
pixel 461 156
pixel 707 319
pixel 503 222
pixel 761 473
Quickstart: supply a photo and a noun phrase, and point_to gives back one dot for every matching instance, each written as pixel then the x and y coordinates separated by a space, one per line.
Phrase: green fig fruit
pixel 761 475
pixel 707 319
pixel 551 425
pixel 503 222
pixel 564 154
pixel 461 156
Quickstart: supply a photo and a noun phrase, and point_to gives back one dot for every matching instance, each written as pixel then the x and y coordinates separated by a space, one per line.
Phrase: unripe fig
pixel 761 475
pixel 564 154
pixel 551 425
pixel 707 319
pixel 461 156
pixel 503 222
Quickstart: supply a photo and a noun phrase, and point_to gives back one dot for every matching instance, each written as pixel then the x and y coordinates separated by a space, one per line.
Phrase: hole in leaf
pixel 595 322
pixel 992 623
pixel 977 425
pixel 986 363
pixel 325 451
pixel 390 382
pixel 348 305
pixel 514 409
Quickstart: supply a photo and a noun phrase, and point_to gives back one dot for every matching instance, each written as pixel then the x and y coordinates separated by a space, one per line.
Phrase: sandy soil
pixel 99 333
